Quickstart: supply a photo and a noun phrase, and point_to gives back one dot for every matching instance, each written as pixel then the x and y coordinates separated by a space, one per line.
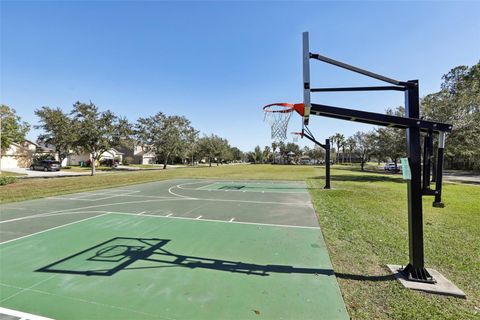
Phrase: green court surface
pixel 178 249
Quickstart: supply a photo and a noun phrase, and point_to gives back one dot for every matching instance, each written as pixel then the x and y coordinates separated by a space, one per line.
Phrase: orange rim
pixel 289 107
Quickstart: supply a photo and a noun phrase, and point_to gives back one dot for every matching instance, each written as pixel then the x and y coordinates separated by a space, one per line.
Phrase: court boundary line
pixel 22 315
pixel 49 213
pixel 123 195
pixel 212 220
pixel 202 187
pixel 84 300
pixel 308 204
pixel 53 228
pixel 43 215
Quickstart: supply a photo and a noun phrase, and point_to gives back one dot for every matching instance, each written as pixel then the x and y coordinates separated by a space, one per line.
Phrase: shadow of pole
pixel 120 253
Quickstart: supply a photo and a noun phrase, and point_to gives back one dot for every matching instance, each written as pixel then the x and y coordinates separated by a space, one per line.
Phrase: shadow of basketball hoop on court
pixel 121 253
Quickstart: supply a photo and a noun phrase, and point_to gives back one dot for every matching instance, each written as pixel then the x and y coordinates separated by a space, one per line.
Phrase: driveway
pixel 42 174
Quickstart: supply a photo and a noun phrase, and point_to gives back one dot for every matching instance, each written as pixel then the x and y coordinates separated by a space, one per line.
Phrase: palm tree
pixel 352 144
pixel 274 148
pixel 339 141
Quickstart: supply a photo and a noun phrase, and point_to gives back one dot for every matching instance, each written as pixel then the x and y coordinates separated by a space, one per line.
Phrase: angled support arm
pixel 358 70
pixel 378 118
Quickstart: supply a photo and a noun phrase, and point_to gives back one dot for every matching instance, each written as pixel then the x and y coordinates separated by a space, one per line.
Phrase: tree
pixel 317 153
pixel 267 154
pixel 352 144
pixel 293 150
pixel 191 136
pixel 458 103
pixel 222 149
pixel 57 127
pixel 97 131
pixel 166 136
pixel 339 140
pixel 365 142
pixel 258 154
pixel 12 128
pixel 237 154
pixel 391 142
pixel 274 149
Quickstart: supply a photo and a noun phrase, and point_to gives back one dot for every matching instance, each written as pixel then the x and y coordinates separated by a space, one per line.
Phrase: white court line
pixel 113 204
pixel 219 221
pixel 198 218
pixel 232 200
pixel 86 198
pixel 180 186
pixel 123 195
pixel 258 202
pixel 208 185
pixel 46 214
pixel 57 227
pixel 22 315
pixel 43 215
pixel 195 208
pixel 73 199
pixel 178 195
pixel 26 289
pixel 86 301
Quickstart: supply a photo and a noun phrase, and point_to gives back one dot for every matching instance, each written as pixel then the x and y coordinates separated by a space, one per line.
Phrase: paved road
pixel 461 176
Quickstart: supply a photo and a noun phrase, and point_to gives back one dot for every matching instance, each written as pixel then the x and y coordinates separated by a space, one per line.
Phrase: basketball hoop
pixel 296 135
pixel 278 115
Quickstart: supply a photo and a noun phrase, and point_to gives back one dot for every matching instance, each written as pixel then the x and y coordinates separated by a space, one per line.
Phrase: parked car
pixel 109 163
pixel 46 165
pixel 390 167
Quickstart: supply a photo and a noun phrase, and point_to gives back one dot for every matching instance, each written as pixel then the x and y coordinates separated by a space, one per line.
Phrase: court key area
pixel 176 249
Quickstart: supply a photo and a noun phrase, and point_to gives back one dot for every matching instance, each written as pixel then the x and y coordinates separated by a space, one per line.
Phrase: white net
pixel 278 117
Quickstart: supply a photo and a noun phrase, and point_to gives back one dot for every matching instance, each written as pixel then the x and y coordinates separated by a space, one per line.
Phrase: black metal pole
pixel 353 89
pixel 308 134
pixel 427 156
pixel 415 270
pixel 327 164
pixel 357 70
pixel 439 169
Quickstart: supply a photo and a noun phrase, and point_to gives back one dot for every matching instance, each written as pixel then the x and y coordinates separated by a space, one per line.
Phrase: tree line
pixel 172 138
pixel 457 103
pixel 87 129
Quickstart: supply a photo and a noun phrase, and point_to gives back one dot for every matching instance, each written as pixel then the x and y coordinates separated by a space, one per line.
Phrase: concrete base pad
pixel 443 285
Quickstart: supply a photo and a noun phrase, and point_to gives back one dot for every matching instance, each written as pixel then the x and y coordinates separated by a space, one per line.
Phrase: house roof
pixel 116 151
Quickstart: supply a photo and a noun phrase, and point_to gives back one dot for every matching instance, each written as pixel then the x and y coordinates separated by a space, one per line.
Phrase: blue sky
pixel 219 62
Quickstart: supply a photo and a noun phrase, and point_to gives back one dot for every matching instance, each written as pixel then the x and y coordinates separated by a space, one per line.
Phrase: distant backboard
pixel 306 78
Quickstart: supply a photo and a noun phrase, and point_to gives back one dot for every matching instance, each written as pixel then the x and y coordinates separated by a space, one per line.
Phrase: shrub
pixel 128 160
pixel 4 180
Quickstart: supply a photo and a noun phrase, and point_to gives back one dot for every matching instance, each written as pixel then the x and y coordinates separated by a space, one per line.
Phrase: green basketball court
pixel 178 249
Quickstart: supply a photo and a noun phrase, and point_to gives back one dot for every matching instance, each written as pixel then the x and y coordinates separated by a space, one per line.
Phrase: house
pixel 22 154
pixel 74 159
pixel 136 154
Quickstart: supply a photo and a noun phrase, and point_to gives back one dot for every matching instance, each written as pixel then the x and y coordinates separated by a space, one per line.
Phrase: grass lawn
pixel 364 222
